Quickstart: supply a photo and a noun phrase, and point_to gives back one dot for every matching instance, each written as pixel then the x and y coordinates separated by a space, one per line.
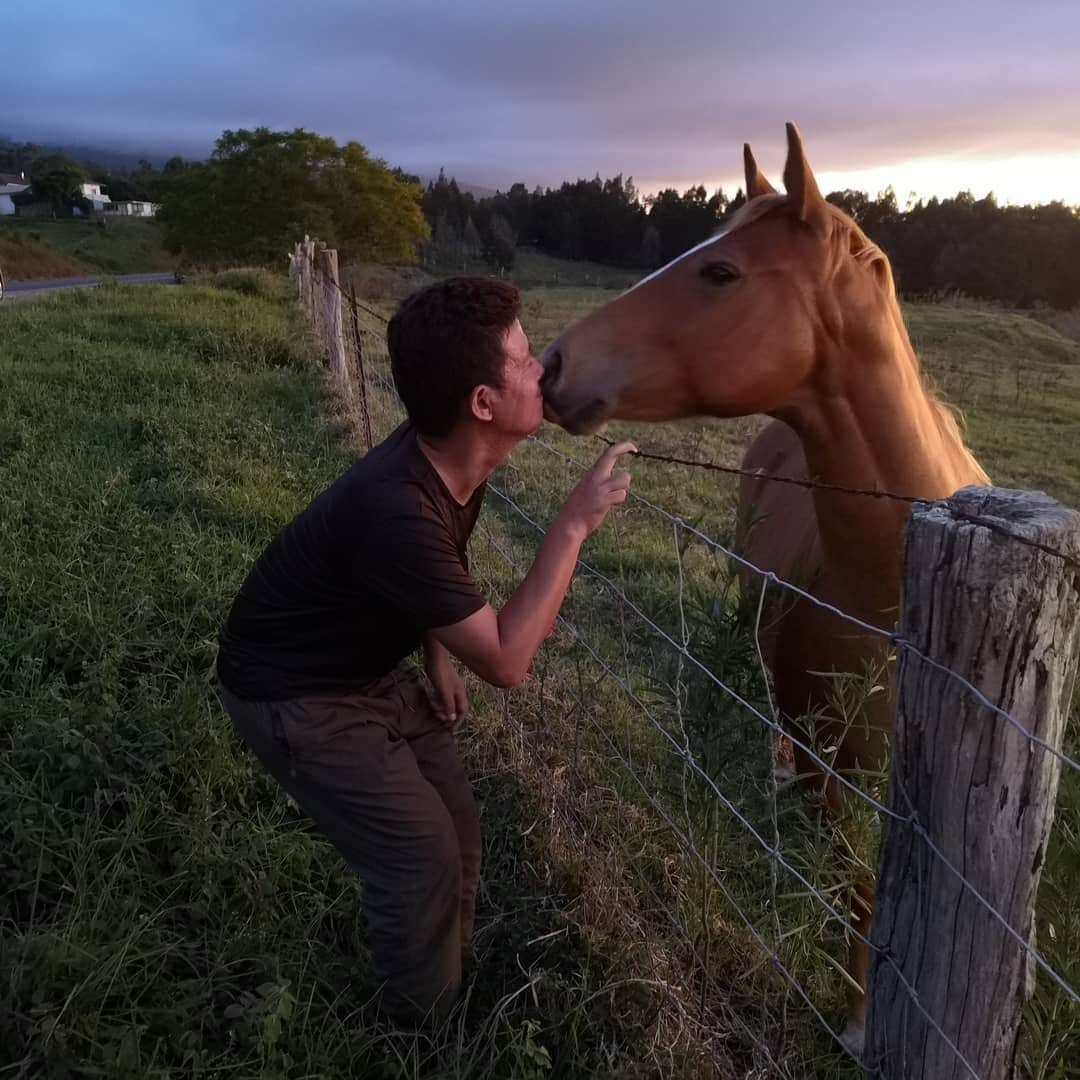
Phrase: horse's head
pixel 734 326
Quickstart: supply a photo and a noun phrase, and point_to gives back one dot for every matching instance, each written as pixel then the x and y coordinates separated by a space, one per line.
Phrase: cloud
pixel 497 92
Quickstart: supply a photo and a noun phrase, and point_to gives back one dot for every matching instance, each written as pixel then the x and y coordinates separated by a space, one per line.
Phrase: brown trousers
pixel 381 777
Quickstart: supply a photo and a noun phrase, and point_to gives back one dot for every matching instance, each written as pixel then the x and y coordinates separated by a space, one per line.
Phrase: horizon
pixel 872 181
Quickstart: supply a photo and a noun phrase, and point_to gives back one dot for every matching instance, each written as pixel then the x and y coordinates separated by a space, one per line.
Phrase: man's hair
pixel 445 340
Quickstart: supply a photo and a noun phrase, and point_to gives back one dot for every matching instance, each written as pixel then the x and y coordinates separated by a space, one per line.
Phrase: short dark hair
pixel 445 340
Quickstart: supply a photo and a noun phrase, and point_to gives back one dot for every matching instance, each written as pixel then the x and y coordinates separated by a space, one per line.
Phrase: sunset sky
pixel 930 97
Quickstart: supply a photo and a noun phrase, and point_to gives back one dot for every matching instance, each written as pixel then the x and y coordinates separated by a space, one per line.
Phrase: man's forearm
pixel 528 615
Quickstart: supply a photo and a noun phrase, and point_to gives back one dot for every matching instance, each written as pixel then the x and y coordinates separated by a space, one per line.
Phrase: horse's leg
pixel 862 915
pixel 858 954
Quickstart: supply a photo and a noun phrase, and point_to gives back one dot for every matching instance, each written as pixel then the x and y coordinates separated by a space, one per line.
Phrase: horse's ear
pixel 804 198
pixel 756 184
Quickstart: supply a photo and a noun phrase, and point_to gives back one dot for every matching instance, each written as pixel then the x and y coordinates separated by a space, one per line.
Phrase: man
pixel 311 657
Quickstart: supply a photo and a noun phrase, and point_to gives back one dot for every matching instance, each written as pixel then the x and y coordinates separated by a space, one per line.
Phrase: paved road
pixel 30 288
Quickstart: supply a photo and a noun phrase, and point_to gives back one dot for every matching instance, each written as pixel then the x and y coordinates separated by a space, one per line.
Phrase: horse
pixel 790 311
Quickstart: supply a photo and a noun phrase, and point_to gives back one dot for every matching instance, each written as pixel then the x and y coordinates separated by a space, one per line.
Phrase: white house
pixel 93 195
pixel 7 207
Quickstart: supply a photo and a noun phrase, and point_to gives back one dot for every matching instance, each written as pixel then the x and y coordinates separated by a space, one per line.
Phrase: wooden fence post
pixel 330 304
pixel 361 376
pixel 1006 617
pixel 309 279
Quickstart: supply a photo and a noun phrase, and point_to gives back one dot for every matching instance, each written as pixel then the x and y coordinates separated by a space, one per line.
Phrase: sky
pixel 932 98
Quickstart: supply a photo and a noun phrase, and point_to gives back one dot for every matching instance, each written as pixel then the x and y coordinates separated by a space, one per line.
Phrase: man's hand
pixel 450 701
pixel 500 646
pixel 598 491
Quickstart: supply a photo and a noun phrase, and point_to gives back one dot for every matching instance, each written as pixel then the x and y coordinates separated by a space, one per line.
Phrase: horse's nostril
pixel 552 361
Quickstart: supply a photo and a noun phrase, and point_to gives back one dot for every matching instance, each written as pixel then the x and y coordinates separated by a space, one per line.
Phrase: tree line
pixel 259 190
pixel 1019 256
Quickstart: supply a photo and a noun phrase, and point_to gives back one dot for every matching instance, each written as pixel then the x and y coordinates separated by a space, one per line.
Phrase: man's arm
pixel 500 645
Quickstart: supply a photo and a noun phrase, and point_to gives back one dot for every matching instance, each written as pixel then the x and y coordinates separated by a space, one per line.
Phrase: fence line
pixel 682 652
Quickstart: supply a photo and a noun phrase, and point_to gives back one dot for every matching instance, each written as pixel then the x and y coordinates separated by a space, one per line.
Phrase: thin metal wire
pixel 813 485
pixel 872 493
pixel 911 819
pixel 892 637
pixel 710 675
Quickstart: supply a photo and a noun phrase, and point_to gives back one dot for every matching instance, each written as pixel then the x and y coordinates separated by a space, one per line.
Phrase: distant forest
pixel 1020 256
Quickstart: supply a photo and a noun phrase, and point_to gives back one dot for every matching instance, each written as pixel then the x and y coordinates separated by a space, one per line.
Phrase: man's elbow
pixel 507 676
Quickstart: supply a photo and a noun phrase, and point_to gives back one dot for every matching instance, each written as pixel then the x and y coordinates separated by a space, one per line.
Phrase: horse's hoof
pixel 853 1039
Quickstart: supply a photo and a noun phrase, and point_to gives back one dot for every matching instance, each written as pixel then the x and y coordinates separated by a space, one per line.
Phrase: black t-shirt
pixel 346 590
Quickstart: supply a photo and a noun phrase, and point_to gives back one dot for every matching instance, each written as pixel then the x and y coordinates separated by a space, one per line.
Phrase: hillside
pixel 32 249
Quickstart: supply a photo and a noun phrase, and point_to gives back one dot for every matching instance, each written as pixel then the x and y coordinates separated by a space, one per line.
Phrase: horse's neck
pixel 870 424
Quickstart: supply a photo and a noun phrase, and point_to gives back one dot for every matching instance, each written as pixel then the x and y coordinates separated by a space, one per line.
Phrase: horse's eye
pixel 719 273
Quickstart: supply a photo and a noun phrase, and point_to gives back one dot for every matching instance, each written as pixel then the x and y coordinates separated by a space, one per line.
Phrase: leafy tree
pixel 501 243
pixel 686 220
pixel 17 157
pixel 470 237
pixel 57 179
pixel 261 190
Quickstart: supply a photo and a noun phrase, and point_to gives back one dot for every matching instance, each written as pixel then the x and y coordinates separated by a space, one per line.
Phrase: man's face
pixel 520 409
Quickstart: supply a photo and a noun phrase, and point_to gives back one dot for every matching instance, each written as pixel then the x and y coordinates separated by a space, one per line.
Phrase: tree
pixel 57 179
pixel 262 190
pixel 471 238
pixel 650 247
pixel 501 243
pixel 686 220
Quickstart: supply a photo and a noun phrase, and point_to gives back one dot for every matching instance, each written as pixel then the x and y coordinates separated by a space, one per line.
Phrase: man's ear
pixel 481 405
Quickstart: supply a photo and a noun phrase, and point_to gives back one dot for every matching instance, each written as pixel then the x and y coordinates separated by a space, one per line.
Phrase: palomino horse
pixel 791 312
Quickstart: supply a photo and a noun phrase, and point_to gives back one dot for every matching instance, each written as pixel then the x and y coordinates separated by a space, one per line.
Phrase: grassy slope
pixel 164 912
pixel 31 249
pixel 22 258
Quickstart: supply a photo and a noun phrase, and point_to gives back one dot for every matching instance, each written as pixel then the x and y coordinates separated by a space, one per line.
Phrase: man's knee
pixel 438 865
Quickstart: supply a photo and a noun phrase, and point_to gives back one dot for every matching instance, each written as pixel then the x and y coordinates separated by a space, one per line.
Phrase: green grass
pixel 87 247
pixel 166 913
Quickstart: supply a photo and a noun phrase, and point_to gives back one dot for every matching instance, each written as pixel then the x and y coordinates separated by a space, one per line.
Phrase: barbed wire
pixel 910 820
pixel 872 493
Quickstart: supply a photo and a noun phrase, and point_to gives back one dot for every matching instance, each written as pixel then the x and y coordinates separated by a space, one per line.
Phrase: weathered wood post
pixel 361 376
pixel 330 320
pixel 1005 616
pixel 309 278
pixel 296 265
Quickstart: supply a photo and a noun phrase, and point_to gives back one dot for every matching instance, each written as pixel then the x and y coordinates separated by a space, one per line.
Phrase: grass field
pixel 165 912
pixel 32 249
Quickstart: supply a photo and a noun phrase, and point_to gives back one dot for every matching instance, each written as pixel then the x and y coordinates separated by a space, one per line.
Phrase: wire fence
pixel 656 679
